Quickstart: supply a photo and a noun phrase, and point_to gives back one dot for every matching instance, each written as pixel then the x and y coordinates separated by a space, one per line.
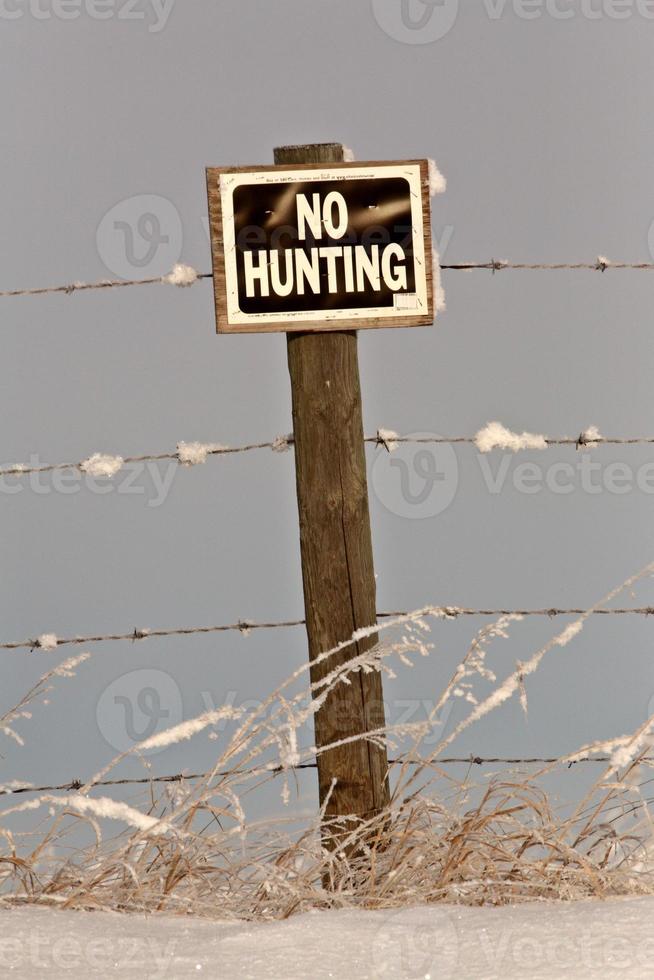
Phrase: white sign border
pixel 230 181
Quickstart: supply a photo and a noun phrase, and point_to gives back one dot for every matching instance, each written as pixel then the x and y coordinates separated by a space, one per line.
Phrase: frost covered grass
pixel 192 848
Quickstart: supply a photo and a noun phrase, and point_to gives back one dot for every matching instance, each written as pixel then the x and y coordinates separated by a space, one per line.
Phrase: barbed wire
pixel 601 264
pixel 471 760
pixel 77 287
pixel 385 438
pixel 48 641
pixel 580 441
pixel 86 465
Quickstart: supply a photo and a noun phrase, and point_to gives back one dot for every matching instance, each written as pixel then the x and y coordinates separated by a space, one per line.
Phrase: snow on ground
pixel 612 939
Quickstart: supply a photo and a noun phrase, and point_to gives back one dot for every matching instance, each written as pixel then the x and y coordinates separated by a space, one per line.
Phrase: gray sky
pixel 542 127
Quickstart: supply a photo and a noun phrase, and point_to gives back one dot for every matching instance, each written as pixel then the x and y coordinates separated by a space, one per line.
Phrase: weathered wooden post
pixel 293 251
pixel 336 544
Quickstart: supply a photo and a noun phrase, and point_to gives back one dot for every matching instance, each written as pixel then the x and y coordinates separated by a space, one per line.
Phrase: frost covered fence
pixel 49 641
pixel 355 751
pixel 180 275
pixel 601 264
pixel 184 275
pixel 187 454
pixel 18 789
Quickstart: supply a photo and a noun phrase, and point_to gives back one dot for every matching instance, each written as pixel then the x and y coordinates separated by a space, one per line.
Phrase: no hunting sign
pixel 318 247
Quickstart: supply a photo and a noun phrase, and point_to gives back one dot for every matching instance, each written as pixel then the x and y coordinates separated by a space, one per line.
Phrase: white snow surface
pixel 543 941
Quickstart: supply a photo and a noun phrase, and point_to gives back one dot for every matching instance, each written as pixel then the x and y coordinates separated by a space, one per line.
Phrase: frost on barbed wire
pixel 388 439
pixel 195 453
pixel 497 436
pixel 47 641
pixel 282 444
pixel 101 465
pixel 590 437
pixel 181 275
pixel 6 789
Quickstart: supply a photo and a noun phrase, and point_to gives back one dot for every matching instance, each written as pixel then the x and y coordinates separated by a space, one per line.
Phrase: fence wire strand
pixel 601 264
pixel 282 443
pixel 471 760
pixel 49 641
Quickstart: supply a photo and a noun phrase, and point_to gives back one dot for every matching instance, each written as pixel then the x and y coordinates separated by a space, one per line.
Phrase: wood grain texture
pixel 218 257
pixel 336 546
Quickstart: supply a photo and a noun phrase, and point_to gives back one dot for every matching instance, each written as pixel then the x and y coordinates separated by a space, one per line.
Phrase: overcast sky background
pixel 543 128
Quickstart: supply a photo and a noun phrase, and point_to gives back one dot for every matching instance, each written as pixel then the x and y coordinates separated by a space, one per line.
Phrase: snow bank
pixel 593 940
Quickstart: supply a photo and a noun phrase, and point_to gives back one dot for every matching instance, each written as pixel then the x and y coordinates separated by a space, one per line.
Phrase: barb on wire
pixel 470 760
pixel 601 264
pixel 49 641
pixel 189 454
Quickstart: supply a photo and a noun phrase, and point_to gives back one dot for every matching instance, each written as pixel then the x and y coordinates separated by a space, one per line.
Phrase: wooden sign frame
pixel 229 318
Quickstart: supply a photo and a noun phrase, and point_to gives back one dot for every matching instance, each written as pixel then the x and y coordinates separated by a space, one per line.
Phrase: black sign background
pixel 265 217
